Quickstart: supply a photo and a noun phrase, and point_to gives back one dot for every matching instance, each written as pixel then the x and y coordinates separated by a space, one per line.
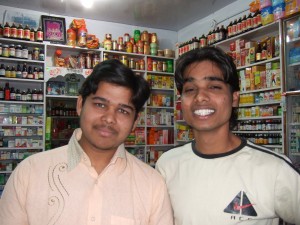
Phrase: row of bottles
pixel 10 94
pixel 235 27
pixel 259 125
pixel 24 72
pixel 62 110
pixel 22 33
pixel 263 139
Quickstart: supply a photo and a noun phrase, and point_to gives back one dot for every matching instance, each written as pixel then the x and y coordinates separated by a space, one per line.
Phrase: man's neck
pixel 212 143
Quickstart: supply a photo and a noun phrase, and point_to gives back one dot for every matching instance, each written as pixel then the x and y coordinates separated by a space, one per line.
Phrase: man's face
pixel 206 99
pixel 106 118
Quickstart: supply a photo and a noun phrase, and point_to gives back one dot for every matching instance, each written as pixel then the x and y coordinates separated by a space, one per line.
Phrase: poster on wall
pixel 17 17
pixel 54 29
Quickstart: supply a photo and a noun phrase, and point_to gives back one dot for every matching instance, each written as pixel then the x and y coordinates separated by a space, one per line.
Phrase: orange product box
pixel 244 53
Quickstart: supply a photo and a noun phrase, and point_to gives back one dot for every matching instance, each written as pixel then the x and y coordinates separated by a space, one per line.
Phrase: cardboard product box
pixel 268 78
pixel 242 43
pixel 263 83
pixel 247 78
pixel 232 46
pixel 244 53
pixel 270 47
pixel 242 77
pixel 250 44
pixel 252 52
pixel 237 45
pixel 258 68
pixel 257 80
pixel 238 59
pixel 275 74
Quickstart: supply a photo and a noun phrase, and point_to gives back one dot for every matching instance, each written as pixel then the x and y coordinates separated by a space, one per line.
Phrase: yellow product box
pixel 252 55
pixel 258 68
pixel 257 80
pixel 247 78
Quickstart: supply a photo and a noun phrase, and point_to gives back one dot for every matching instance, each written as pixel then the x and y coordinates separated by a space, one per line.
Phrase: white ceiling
pixel 162 14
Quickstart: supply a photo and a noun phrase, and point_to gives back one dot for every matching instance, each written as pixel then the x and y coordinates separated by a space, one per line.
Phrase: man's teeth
pixel 204 112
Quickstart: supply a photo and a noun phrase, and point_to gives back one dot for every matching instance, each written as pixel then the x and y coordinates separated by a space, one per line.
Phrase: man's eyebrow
pixel 210 78
pixel 107 101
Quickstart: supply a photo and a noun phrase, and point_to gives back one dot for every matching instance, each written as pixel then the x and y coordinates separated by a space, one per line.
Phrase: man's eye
pixel 188 90
pixel 100 105
pixel 123 111
pixel 215 87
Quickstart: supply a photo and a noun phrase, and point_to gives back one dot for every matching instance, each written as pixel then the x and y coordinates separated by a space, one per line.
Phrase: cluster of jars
pixel 132 63
pixel 22 33
pixel 21 52
pixel 141 43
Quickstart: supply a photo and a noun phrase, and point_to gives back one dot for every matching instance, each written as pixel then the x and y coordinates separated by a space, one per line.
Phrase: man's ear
pixel 79 105
pixel 235 99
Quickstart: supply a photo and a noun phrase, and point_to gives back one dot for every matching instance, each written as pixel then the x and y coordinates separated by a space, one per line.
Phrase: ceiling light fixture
pixel 87 3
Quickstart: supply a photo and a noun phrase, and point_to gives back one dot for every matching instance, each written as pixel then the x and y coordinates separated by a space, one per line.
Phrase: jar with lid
pixel 164 66
pixel 41 55
pixel 131 63
pixel 114 45
pixel 140 47
pixel 95 60
pixel 145 36
pixel 159 66
pixel 5 51
pixel 18 51
pixel 153 48
pixel 12 51
pixel 81 61
pixel 105 56
pixel 154 65
pixel 29 55
pixel 170 66
pixel 134 49
pixel 153 38
pixel 137 35
pixel 88 61
pixel 129 47
pixel 126 38
pixel 81 36
pixel 36 52
pixel 142 64
pixel 107 42
pixel 149 64
pixel 124 60
pixel 146 48
pixel 25 52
